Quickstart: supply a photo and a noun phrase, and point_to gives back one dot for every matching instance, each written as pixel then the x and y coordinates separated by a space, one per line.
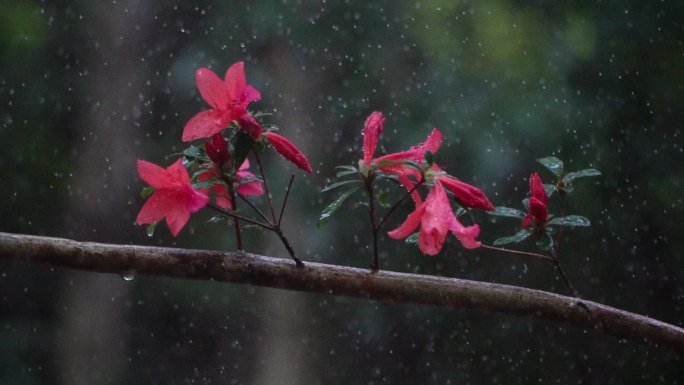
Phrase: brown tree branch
pixel 382 286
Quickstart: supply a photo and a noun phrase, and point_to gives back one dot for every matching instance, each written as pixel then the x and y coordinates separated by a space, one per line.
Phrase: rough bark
pixel 384 286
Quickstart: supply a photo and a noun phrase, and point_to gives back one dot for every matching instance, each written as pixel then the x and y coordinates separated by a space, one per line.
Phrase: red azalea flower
pixel 174 197
pixel 436 220
pixel 217 149
pixel 288 151
pixel 469 195
pixel 228 98
pixel 415 153
pixel 221 194
pixel 371 133
pixel 539 212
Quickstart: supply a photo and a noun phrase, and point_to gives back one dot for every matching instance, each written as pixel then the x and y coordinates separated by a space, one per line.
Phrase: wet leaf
pixel 243 143
pixel 429 158
pixel 506 212
pixel 553 164
pixel 570 220
pixel 195 153
pixel 571 176
pixel 549 189
pixel 150 229
pixel 146 192
pixel 517 238
pixel 333 207
pixel 545 242
pixel 412 239
pixel 338 184
pixel 383 199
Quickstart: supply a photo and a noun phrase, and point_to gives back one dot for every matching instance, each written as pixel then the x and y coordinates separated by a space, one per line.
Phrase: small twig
pixel 368 186
pixel 287 194
pixel 234 215
pixel 399 202
pixel 236 221
pixel 505 250
pixel 563 275
pixel 256 209
pixel 266 190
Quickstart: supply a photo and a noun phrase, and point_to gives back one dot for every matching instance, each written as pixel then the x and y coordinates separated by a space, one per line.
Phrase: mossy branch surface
pixel 383 286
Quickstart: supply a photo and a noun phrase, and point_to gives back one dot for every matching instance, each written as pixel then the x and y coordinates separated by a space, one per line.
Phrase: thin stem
pixel 368 184
pixel 505 250
pixel 287 194
pixel 563 275
pixel 287 245
pixel 399 202
pixel 234 215
pixel 263 178
pixel 256 209
pixel 236 221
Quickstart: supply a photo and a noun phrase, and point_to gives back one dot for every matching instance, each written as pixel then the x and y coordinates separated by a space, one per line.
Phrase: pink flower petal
pixel 156 207
pixel 236 82
pixel 249 125
pixel 409 225
pixel 252 94
pixel 433 142
pixel 537 188
pixel 289 151
pixel 217 150
pixel 152 174
pixel 195 199
pixel 204 125
pixel 467 235
pixel 176 218
pixel 371 133
pixel 469 195
pixel 436 221
pixel 212 88
pixel 178 173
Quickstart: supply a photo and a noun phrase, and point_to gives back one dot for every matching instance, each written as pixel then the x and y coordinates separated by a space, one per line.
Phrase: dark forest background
pixel 88 87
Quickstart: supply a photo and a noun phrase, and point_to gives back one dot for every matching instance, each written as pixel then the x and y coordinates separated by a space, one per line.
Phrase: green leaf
pixel 195 153
pixel 243 143
pixel 383 199
pixel 341 174
pixel 545 242
pixel 146 192
pixel 517 238
pixel 207 183
pixel 526 203
pixel 412 239
pixel 569 177
pixel 429 158
pixel 570 220
pixel 334 206
pixel 549 189
pixel 217 218
pixel 506 212
pixel 553 164
pixel 338 184
pixel 150 229
pixel 347 167
pixel 461 212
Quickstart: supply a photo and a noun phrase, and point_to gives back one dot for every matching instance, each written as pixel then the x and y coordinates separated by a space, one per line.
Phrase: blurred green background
pixel 86 88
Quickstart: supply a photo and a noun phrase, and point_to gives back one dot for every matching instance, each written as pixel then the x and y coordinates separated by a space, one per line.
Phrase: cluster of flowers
pixel 220 166
pixel 412 167
pixel 174 197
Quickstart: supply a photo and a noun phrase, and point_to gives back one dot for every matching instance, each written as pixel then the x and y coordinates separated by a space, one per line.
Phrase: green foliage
pixel 517 238
pixel 569 220
pixel 553 164
pixel 333 207
pixel 506 212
